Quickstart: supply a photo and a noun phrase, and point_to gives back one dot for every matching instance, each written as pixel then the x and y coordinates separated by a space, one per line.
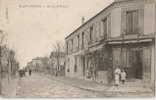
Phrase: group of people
pixel 119 76
pixel 22 72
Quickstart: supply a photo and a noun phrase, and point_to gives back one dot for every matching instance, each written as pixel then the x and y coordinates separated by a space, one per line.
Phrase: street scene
pixel 60 87
pixel 107 50
pixel 50 88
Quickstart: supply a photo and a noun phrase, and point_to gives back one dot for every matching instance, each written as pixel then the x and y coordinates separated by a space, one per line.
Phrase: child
pixel 117 76
pixel 123 76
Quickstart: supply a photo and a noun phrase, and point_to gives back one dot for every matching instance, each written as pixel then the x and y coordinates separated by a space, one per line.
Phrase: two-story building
pixel 121 35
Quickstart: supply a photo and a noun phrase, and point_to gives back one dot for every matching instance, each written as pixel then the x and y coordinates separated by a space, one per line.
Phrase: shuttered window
pixel 72 45
pixel 67 44
pixel 78 40
pixel 82 40
pixel 75 66
pixel 105 28
pixel 132 21
pixel 91 33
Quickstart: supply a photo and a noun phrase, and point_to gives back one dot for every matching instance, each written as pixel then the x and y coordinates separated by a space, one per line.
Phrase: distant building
pixel 122 35
pixel 37 60
pixel 39 64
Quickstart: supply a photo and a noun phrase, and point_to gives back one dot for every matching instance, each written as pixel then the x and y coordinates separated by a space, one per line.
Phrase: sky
pixel 33 26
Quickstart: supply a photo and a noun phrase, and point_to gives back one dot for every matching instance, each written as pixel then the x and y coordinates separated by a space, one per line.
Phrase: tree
pixel 11 61
pixel 2 38
pixel 57 53
pixel 46 64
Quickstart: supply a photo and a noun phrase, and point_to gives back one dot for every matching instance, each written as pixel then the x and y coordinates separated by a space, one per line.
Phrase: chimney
pixel 83 20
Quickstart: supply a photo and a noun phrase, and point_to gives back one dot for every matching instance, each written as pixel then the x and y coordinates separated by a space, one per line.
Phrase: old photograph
pixel 77 48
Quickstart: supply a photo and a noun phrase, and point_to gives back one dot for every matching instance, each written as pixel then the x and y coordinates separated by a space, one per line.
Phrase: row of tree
pixel 8 63
pixel 57 57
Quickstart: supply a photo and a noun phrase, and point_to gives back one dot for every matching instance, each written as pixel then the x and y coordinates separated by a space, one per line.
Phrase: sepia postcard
pixel 77 49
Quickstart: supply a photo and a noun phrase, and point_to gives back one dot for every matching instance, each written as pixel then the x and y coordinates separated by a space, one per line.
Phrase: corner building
pixel 121 35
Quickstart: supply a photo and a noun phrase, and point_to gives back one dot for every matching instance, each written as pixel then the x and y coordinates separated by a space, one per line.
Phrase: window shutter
pixel 123 21
pixel 141 20
pixel 109 26
pixel 135 22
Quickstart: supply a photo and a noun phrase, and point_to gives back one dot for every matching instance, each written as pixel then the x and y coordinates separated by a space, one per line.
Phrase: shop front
pixel 98 64
pixel 136 58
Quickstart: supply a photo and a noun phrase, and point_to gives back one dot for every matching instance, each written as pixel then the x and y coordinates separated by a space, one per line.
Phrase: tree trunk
pixel 0 78
pixel 0 72
pixel 9 71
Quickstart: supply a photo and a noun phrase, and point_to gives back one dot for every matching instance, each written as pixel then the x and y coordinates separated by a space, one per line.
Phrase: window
pixel 72 45
pixel 91 33
pixel 67 47
pixel 132 21
pixel 105 28
pixel 82 40
pixel 78 39
pixel 68 70
pixel 75 66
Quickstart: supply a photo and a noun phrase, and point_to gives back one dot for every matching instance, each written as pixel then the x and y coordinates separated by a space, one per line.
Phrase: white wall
pixel 149 18
pixel 116 22
pixel 152 66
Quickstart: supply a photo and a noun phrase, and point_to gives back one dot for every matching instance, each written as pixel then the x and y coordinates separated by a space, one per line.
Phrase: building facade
pixel 122 35
pixel 39 64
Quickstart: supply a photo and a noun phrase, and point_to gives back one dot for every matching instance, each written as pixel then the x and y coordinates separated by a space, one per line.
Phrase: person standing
pixel 109 75
pixel 123 76
pixel 20 73
pixel 91 72
pixel 117 76
pixel 29 72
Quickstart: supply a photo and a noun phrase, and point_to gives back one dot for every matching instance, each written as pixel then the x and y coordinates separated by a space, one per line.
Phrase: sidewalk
pixel 83 84
pixel 129 87
pixel 9 87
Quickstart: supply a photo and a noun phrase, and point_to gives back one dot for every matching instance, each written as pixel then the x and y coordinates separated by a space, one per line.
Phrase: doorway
pixel 135 69
pixel 83 65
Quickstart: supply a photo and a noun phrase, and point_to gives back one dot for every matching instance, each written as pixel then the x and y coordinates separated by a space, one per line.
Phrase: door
pixel 135 69
pixel 139 65
pixel 83 65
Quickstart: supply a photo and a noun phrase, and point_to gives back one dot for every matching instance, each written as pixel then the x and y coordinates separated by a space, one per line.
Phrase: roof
pixel 115 1
pixel 40 58
pixel 54 54
pixel 37 58
pixel 90 19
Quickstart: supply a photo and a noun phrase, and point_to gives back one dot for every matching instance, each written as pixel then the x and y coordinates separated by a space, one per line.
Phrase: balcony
pixel 131 38
pixel 93 43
